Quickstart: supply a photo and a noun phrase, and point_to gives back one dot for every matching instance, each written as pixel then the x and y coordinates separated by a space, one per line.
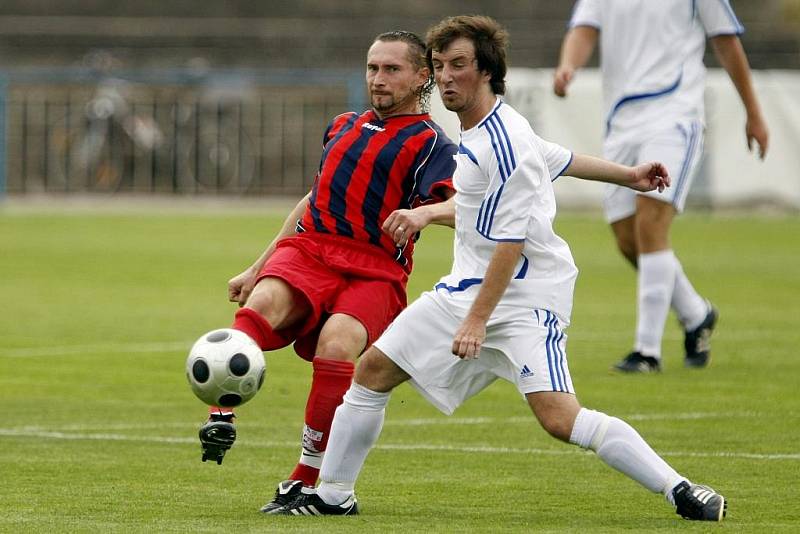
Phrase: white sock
pixel 356 426
pixel 656 280
pixel 690 307
pixel 621 447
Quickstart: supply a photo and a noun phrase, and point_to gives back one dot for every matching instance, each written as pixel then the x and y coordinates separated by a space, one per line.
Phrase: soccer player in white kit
pixel 502 311
pixel 653 83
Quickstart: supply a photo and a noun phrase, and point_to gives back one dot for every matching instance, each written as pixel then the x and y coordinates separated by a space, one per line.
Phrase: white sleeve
pixel 586 13
pixel 718 18
pixel 506 208
pixel 556 157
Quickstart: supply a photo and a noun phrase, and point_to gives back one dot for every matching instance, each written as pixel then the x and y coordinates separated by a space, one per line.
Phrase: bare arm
pixel 241 285
pixel 644 177
pixel 730 54
pixel 403 224
pixel 577 48
pixel 472 332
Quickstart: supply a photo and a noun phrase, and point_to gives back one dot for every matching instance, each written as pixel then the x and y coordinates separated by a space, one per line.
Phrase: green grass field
pixel 98 432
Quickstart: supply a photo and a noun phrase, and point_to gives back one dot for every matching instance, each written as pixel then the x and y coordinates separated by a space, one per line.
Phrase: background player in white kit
pixel 653 84
pixel 503 308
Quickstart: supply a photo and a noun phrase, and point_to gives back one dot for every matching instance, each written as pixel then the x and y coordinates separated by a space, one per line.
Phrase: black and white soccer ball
pixel 225 368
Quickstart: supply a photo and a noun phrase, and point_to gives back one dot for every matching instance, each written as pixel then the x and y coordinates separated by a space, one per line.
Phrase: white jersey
pixel 652 57
pixel 504 192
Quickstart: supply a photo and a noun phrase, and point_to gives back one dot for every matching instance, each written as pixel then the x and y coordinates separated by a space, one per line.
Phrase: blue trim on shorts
pixel 555 356
pixel 693 138
pixel 551 318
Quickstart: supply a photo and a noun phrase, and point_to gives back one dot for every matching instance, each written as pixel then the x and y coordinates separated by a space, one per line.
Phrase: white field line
pixel 530 419
pixel 170 346
pixel 440 421
pixel 41 434
pixel 80 432
pixel 96 348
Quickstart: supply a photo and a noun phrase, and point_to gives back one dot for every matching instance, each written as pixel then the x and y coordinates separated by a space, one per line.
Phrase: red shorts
pixel 336 275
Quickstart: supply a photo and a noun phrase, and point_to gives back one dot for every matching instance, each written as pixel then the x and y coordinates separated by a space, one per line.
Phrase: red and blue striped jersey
pixel 371 167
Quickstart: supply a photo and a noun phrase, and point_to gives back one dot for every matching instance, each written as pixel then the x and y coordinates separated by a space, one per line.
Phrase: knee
pixel 377 372
pixel 627 247
pixel 342 338
pixel 653 222
pixel 558 427
pixel 651 234
pixel 556 412
pixel 336 348
pixel 261 300
pixel 626 239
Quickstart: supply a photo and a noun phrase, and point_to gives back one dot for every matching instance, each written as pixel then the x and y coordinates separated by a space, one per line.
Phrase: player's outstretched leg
pixel 699 503
pixel 697 342
pixel 286 493
pixel 621 447
pixel 217 434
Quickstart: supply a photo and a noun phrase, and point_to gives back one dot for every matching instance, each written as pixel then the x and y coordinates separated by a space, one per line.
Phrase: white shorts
pixel 524 346
pixel 679 148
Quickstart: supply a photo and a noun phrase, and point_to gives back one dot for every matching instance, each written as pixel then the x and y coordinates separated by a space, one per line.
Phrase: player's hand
pixel 469 338
pixel 756 130
pixel 240 286
pixel 649 177
pixel 402 225
pixel 562 79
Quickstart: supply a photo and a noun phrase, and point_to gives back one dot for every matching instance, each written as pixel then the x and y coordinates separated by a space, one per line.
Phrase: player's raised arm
pixel 241 285
pixel 645 177
pixel 577 48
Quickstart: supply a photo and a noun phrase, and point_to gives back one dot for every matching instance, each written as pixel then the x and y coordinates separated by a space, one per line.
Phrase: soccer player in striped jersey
pixel 653 83
pixel 335 276
pixel 502 310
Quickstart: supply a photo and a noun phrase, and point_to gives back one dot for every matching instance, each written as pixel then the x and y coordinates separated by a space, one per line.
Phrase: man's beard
pixel 390 102
pixel 383 102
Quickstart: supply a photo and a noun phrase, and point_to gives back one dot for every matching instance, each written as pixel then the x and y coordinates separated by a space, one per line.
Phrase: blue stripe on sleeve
pixel 506 164
pixel 464 150
pixel 507 139
pixel 569 162
pixel 729 10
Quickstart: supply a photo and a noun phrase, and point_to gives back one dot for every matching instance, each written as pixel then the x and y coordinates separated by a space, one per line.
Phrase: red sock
pixel 254 325
pixel 331 380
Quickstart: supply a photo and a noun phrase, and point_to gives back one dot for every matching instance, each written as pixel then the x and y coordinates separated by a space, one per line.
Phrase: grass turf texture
pixel 99 426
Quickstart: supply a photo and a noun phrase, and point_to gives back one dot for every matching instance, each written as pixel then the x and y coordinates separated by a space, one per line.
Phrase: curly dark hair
pixel 417 57
pixel 488 36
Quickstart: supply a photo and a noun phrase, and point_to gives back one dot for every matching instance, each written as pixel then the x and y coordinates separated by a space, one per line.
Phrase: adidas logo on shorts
pixel 526 372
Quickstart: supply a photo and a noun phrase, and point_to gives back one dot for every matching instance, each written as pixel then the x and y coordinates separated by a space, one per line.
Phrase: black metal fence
pixel 148 133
